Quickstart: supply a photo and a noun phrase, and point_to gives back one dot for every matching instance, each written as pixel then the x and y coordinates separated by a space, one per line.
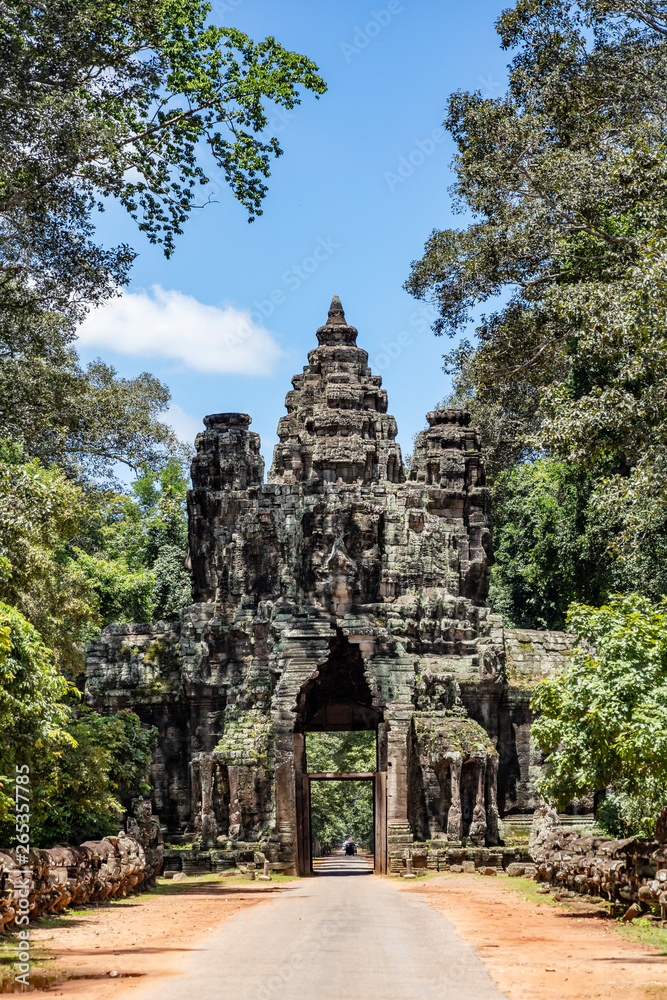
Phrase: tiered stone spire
pixel 448 453
pixel 337 429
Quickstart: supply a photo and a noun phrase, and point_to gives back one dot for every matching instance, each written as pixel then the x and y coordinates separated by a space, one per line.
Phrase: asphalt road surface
pixel 341 935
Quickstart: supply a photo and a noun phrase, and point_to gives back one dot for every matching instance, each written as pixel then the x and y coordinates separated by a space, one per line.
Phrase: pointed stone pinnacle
pixel 336 314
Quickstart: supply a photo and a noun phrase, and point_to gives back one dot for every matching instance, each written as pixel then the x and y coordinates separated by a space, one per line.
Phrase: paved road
pixel 342 935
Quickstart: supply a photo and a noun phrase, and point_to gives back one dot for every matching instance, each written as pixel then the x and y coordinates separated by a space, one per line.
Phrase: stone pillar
pixel 209 826
pixel 285 796
pixel 234 803
pixel 492 829
pixel 478 825
pixel 398 828
pixel 455 814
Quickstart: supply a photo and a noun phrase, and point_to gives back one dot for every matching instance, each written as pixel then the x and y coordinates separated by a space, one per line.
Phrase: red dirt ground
pixel 538 951
pixel 142 938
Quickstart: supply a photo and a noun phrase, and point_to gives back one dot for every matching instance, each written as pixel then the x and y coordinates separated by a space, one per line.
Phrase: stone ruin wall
pixel 340 577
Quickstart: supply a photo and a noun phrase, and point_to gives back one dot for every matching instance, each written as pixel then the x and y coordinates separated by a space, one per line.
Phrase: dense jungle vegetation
pixel 562 180
pixel 341 809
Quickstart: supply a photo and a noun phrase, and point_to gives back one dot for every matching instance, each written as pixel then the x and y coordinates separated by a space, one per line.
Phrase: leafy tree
pixel 73 558
pixel 32 714
pixel 134 101
pixel 84 419
pixel 84 767
pixel 134 556
pixel 546 555
pixel 41 511
pixel 113 99
pixel 80 792
pixel 565 179
pixel 603 718
pixel 341 808
pixel 554 543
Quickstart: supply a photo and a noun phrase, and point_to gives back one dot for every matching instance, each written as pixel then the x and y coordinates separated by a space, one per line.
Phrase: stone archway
pixel 338 699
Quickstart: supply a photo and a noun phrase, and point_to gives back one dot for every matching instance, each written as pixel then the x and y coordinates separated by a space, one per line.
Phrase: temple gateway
pixel 345 592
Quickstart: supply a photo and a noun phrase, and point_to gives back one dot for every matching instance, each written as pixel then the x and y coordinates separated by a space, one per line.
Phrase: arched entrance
pixel 338 699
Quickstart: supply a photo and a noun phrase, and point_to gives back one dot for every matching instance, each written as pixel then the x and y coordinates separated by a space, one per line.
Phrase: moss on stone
pixel 246 739
pixel 438 736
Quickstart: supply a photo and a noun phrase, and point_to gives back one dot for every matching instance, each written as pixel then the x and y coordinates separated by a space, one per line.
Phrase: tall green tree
pixel 134 550
pixel 82 788
pixel 565 179
pixel 555 544
pixel 603 718
pixel 41 512
pixel 143 102
pixel 113 99
pixel 32 689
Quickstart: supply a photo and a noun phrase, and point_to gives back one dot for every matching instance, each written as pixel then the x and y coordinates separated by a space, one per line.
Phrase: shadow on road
pixel 341 864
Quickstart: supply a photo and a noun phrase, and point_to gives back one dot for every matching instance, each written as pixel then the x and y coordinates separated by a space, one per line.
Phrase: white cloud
pixel 186 426
pixel 169 324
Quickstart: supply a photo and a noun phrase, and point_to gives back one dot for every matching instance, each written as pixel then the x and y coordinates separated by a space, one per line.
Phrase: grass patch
pixel 167 887
pixel 527 889
pixel 646 932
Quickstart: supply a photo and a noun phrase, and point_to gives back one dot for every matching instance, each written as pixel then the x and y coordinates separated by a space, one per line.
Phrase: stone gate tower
pixel 343 593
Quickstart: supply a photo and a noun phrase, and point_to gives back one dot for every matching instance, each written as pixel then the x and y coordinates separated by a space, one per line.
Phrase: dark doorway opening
pixel 338 698
pixel 339 736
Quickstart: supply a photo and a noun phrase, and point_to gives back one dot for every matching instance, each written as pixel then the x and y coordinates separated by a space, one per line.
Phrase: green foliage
pixel 565 177
pixel 603 718
pixel 547 554
pixel 41 511
pixel 341 752
pixel 113 100
pixel 623 814
pixel 555 543
pixel 32 715
pixel 341 808
pixel 135 550
pixel 79 793
pixel 84 419
pixel 83 766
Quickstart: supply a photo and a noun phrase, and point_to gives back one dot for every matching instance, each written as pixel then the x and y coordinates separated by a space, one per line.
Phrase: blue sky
pixel 340 218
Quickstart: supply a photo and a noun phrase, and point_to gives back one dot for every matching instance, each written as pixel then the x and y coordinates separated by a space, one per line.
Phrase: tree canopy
pixel 114 99
pixel 133 552
pixel 603 719
pixel 146 103
pixel 32 689
pixel 564 180
pixel 563 252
